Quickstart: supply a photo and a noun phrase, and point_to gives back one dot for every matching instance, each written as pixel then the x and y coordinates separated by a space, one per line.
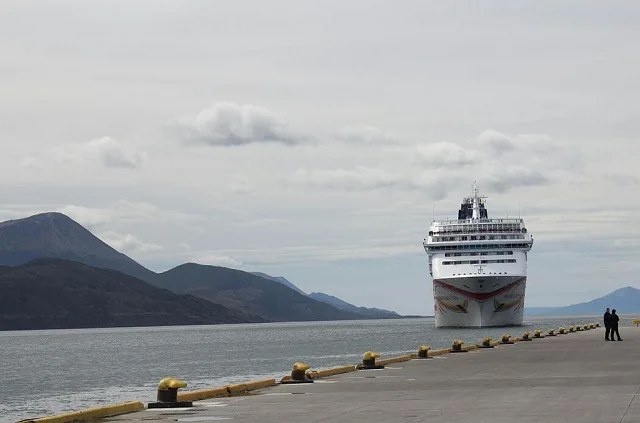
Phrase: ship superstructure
pixel 478 266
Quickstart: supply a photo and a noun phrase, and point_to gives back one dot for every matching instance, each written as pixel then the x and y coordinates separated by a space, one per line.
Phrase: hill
pixel 281 280
pixel 244 291
pixel 55 235
pixel 365 312
pixel 624 300
pixel 371 313
pixel 55 293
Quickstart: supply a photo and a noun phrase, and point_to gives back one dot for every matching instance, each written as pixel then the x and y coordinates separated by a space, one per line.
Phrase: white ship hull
pixel 479 301
pixel 478 266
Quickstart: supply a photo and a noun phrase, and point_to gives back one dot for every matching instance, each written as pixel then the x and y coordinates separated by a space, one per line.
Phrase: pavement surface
pixel 568 378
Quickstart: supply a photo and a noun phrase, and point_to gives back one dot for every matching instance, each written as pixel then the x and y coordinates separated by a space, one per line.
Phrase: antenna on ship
pixel 433 210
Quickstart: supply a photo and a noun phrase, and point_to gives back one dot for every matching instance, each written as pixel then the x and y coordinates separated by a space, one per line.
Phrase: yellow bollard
pixel 551 332
pixel 369 361
pixel 506 339
pixel 562 331
pixel 537 334
pixel 168 394
pixel 423 351
pixel 298 374
pixel 486 343
pixel 456 346
pixel 526 336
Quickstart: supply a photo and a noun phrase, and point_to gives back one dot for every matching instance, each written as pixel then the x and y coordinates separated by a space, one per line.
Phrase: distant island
pixel 54 273
pixel 625 300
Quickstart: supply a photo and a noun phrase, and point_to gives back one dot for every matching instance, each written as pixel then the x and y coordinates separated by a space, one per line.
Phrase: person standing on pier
pixel 614 325
pixel 607 324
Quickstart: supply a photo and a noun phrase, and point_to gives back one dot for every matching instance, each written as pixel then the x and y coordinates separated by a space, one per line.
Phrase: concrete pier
pixel 576 378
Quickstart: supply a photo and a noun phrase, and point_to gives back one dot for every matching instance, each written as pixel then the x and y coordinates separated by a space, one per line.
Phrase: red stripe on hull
pixel 478 296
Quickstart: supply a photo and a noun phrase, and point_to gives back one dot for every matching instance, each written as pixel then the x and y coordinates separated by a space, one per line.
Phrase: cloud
pixel 365 135
pixel 30 161
pixel 359 178
pixel 496 141
pixel 230 124
pixel 515 176
pixel 125 212
pixel 128 243
pixel 106 151
pixel 112 154
pixel 215 260
pixel 498 162
pixel 446 154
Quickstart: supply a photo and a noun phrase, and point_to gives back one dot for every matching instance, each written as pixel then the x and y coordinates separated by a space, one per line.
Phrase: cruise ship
pixel 478 266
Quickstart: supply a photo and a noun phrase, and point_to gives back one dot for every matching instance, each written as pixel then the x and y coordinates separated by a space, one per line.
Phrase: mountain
pixel 56 293
pixel 372 313
pixel 244 291
pixel 369 313
pixel 624 300
pixel 281 280
pixel 54 235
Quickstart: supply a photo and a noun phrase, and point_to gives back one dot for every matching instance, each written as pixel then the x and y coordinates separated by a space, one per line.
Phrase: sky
pixel 318 140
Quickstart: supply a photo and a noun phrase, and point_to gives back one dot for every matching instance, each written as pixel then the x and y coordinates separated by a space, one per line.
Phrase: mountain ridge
pixel 57 236
pixel 52 293
pixel 243 290
pixel 624 300
pixel 368 312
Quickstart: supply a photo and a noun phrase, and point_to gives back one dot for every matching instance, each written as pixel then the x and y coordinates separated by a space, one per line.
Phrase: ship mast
pixel 476 201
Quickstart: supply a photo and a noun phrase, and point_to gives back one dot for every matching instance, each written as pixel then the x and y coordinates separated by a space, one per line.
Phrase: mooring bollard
pixel 526 336
pixel 168 394
pixel 537 334
pixel 486 343
pixel 298 374
pixel 562 331
pixel 456 346
pixel 506 339
pixel 423 351
pixel 551 332
pixel 369 361
pixel 572 329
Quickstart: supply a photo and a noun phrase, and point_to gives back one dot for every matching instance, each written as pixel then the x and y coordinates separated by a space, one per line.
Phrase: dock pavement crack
pixel 630 402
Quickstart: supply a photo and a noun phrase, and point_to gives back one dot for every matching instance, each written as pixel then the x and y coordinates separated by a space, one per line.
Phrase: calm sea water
pixel 53 371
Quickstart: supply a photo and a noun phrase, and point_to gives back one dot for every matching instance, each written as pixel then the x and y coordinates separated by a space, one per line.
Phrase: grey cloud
pixel 230 124
pixel 364 178
pixel 446 154
pixel 106 151
pixel 128 243
pixel 495 141
pixel 515 177
pixel 365 134
pixel 622 179
pixel 112 154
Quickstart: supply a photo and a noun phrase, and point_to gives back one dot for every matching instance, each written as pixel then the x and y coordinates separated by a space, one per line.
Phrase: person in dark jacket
pixel 614 325
pixel 607 324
